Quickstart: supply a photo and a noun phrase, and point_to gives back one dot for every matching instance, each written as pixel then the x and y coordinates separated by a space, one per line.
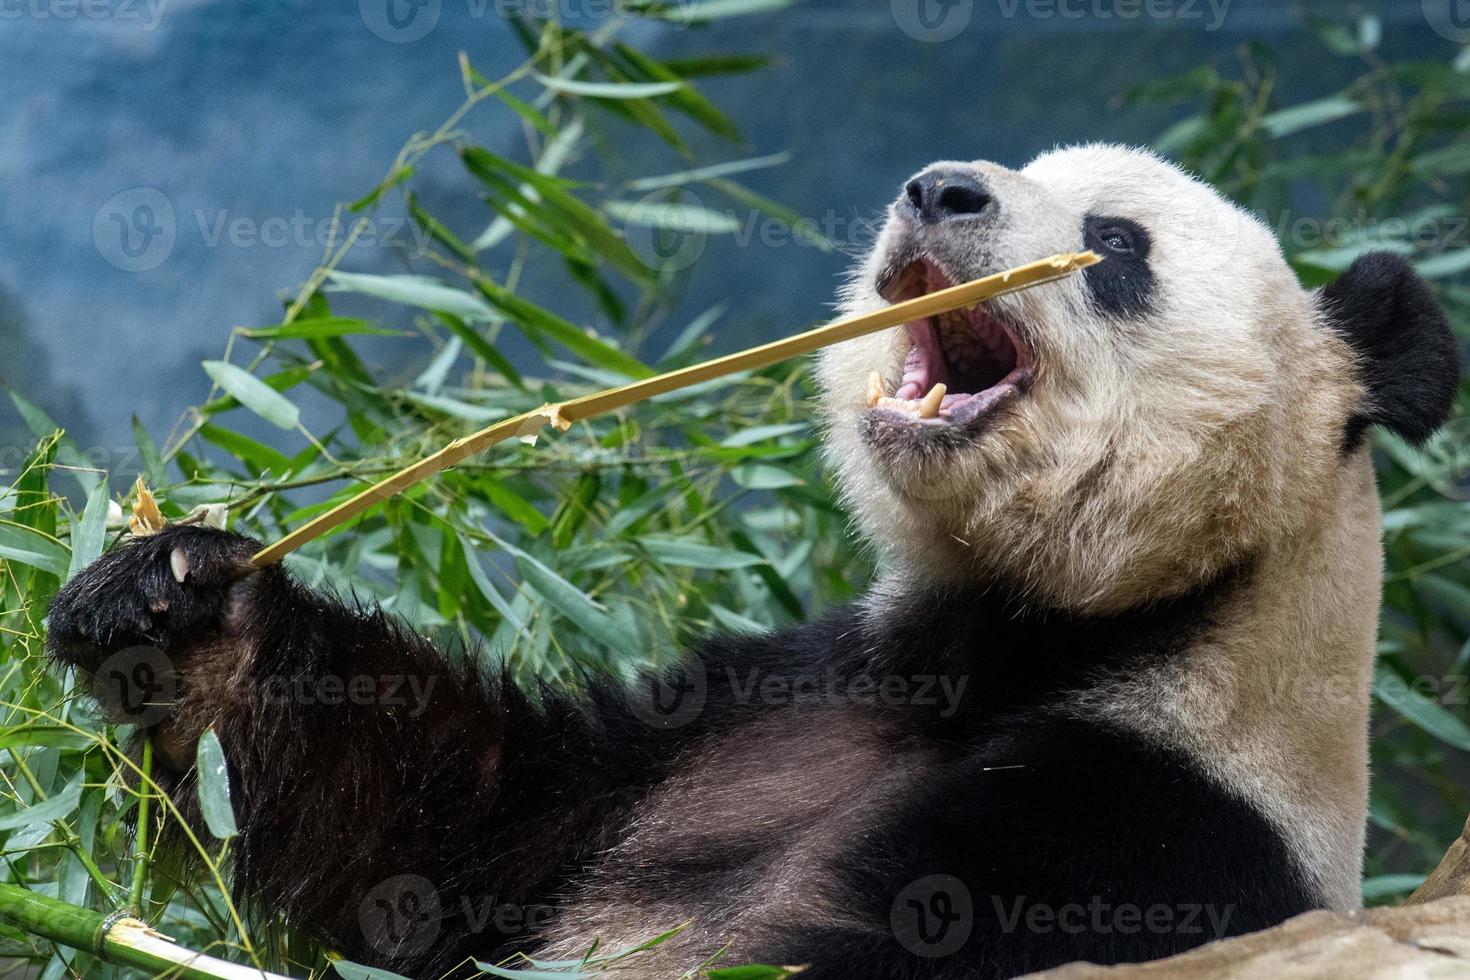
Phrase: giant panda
pixel 1106 701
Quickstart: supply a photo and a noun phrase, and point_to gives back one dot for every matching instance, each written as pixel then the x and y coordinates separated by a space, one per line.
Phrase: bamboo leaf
pixel 534 320
pixel 673 216
pixel 577 215
pixel 556 153
pixel 58 806
pixel 67 453
pixel 90 532
pixel 54 735
pixel 487 588
pixel 353 971
pixel 687 99
pixel 526 111
pixel 575 605
pixel 440 232
pixel 1386 886
pixel 214 787
pixel 706 10
pixel 254 394
pixel 153 466
pixel 609 90
pixel 1445 264
pixel 31 547
pixel 751 972
pixel 716 64
pixel 1424 713
pixel 317 329
pixel 420 291
pixel 693 554
pixel 701 174
pixel 1296 118
pixel 764 476
pixel 261 458
pixel 280 381
pixel 578 607
pixel 491 969
pixel 482 348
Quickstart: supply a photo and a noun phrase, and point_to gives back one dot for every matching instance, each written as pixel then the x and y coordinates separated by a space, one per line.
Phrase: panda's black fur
pixel 970 825
pixel 1124 284
pixel 1408 357
pixel 495 796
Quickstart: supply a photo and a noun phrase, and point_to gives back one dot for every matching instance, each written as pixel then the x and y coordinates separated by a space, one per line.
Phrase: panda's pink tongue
pixel 924 367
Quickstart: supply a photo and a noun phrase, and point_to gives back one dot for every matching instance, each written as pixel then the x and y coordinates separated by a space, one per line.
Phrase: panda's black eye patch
pixel 1123 283
pixel 1116 239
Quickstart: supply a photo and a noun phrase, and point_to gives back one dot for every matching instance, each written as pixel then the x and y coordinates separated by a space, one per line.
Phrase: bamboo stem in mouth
pixel 561 415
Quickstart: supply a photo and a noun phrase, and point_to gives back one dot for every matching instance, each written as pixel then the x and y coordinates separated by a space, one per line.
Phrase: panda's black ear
pixel 1407 354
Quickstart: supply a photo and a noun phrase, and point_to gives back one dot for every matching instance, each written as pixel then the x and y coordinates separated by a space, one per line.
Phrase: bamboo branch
pixel 562 415
pixel 140 840
pixel 116 938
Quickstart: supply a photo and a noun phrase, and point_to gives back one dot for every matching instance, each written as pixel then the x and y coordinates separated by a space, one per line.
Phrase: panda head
pixel 1130 432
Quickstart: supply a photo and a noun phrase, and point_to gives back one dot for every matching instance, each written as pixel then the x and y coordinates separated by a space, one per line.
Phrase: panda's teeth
pixel 903 405
pixel 920 408
pixel 929 407
pixel 875 388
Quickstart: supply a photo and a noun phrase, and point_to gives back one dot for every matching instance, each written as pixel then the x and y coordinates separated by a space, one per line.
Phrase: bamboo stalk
pixel 116 938
pixel 140 839
pixel 562 415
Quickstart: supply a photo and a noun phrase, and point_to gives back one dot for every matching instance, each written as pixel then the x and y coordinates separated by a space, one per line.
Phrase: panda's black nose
pixel 943 195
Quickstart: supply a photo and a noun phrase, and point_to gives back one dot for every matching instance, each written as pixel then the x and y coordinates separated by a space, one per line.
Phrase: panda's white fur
pixel 1151 453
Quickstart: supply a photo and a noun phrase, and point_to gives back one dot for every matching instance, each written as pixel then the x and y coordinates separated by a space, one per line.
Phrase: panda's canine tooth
pixel 929 406
pixel 875 388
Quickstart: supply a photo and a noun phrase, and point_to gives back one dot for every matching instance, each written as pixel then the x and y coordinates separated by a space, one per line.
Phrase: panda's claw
pixel 178 561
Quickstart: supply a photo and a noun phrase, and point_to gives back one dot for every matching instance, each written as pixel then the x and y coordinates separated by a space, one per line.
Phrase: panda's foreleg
pixel 397 802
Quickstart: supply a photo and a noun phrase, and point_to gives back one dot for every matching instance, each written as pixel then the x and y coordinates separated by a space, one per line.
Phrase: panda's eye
pixel 1123 283
pixel 1117 240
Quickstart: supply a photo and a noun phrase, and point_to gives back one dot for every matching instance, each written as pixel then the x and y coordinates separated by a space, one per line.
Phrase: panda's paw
pixel 168 592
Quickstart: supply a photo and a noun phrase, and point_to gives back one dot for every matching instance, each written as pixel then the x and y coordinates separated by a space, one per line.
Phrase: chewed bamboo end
pixel 548 414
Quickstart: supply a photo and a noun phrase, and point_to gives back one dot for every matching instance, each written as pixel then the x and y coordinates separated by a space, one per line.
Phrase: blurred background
pixel 382 224
pixel 249 121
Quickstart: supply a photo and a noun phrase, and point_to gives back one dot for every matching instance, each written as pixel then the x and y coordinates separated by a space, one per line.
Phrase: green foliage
pixel 704 509
pixel 605 547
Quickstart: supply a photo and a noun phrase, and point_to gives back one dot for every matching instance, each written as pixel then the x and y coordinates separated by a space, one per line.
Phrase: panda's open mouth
pixel 961 367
